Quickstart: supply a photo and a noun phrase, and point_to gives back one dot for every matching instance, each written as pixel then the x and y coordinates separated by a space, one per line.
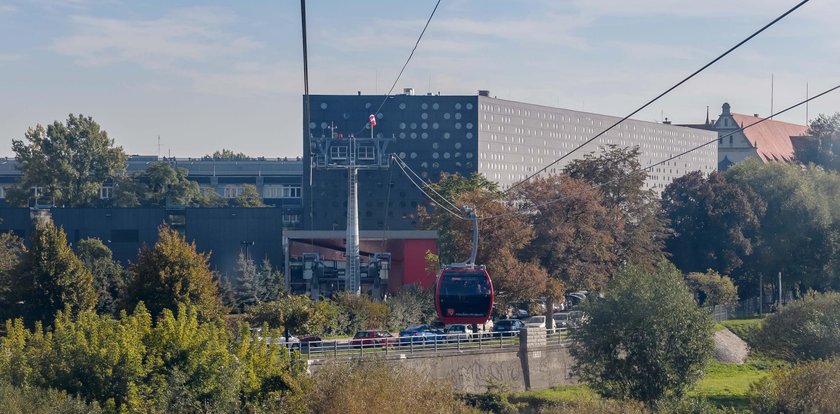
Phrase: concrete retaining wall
pixel 534 366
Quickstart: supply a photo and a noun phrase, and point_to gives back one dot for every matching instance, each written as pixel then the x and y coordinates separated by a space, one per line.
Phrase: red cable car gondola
pixel 464 295
pixel 464 291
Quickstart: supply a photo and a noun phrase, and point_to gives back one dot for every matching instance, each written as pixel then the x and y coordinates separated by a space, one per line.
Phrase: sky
pixel 207 75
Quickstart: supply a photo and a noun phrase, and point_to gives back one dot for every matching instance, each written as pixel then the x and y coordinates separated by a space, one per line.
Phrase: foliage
pixel 296 314
pixel 50 277
pixel 369 387
pixel 172 272
pixel 621 178
pixel 806 329
pixel 712 288
pixel 109 278
pixel 12 251
pixel 358 313
pixel 33 400
pixel 813 387
pixel 798 236
pixel 646 340
pixel 413 304
pixel 270 282
pixel 179 364
pixel 576 236
pixel 227 155
pixel 818 148
pixel 249 197
pixel 69 161
pixel 246 280
pixel 163 184
pixel 714 222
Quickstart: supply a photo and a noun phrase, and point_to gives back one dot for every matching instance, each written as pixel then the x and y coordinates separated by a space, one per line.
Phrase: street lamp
pixel 245 244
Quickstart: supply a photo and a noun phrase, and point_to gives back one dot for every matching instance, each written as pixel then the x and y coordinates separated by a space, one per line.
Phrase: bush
pixel 593 407
pixel 646 340
pixel 375 387
pixel 130 364
pixel 813 387
pixel 29 400
pixel 803 330
pixel 712 288
pixel 411 305
pixel 360 313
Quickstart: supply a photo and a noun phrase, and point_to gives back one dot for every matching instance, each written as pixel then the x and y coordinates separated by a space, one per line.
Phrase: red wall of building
pixel 414 262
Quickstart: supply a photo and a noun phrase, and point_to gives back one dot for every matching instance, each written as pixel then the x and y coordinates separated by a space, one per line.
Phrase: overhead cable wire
pixel 419 187
pixel 414 49
pixel 695 73
pixel 425 184
pixel 650 167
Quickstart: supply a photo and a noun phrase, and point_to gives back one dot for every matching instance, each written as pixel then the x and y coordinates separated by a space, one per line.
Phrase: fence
pixel 742 309
pixel 406 346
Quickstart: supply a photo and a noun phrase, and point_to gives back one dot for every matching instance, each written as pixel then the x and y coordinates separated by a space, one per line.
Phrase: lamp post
pixel 245 244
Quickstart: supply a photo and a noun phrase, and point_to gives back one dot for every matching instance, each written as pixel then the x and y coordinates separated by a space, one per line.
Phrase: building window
pixel 338 152
pixel 366 152
pixel 105 192
pixel 232 191
pixel 291 218
pixel 281 191
pixel 291 191
pixel 2 192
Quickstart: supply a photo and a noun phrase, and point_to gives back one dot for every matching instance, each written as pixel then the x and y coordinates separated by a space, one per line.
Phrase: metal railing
pixel 430 343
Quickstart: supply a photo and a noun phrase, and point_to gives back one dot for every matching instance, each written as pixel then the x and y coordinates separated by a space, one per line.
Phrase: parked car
pixel 508 327
pixel 459 332
pixel 421 333
pixel 372 338
pixel 535 322
pixel 561 319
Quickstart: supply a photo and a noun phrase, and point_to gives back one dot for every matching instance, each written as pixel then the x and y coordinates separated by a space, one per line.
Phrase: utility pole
pixel 353 278
pixel 780 289
pixel 761 294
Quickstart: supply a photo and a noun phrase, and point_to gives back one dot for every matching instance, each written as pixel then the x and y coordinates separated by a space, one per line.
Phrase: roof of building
pixel 771 139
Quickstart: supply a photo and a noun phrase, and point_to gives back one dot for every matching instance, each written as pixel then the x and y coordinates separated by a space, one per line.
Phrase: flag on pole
pixel 372 120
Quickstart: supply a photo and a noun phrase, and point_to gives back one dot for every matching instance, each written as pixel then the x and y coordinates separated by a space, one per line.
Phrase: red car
pixel 373 338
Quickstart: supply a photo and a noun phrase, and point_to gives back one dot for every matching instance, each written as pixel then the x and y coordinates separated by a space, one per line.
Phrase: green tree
pixel 249 197
pixel 12 251
pixel 270 282
pixel 645 340
pixel 246 282
pixel 50 277
pixel 69 162
pixel 109 278
pixel 712 288
pixel 714 222
pixel 621 179
pixel 798 236
pixel 297 314
pixel 228 155
pixel 576 236
pixel 173 272
pixel 413 304
pixel 822 146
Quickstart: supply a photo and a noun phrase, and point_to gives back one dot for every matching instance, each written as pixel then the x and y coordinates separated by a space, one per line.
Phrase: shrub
pixel 179 364
pixel 30 400
pixel 712 288
pixel 411 305
pixel 375 387
pixel 593 407
pixel 806 329
pixel 646 340
pixel 813 387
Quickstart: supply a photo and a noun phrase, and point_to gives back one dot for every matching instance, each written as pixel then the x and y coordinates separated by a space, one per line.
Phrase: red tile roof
pixel 771 138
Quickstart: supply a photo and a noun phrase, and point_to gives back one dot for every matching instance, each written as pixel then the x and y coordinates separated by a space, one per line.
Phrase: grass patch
pixel 728 385
pixel 578 392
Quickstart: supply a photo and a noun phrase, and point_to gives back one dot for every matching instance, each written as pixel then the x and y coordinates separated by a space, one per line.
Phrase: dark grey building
pixel 504 140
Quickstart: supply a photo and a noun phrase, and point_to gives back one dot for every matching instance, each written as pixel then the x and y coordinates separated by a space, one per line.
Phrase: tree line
pixel 576 228
pixel 69 163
